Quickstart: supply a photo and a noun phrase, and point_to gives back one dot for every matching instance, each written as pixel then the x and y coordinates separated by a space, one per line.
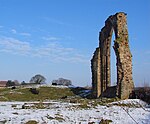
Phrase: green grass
pixel 106 121
pixel 45 93
pixel 32 122
pixel 51 93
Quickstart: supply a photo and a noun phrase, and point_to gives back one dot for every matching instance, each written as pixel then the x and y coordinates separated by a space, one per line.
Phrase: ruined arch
pixel 100 63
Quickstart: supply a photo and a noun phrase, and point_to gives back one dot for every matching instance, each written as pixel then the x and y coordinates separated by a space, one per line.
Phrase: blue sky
pixel 57 38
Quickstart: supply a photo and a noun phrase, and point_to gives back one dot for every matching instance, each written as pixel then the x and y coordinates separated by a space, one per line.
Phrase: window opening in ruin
pixel 113 63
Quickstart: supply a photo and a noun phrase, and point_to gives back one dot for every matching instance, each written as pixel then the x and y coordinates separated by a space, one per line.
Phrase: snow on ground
pixel 58 112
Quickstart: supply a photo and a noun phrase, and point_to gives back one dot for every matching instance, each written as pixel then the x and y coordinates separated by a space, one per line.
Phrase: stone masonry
pixel 100 63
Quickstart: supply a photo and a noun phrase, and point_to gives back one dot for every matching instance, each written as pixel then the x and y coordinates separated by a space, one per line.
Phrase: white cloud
pixel 49 38
pixel 52 20
pixel 25 34
pixel 56 21
pixel 13 31
pixel 54 51
pixel 14 46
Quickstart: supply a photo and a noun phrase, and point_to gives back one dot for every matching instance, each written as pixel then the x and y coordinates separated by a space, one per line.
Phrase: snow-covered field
pixel 58 112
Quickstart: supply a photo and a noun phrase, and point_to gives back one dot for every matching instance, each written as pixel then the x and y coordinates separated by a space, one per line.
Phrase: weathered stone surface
pixel 100 63
pixel 96 78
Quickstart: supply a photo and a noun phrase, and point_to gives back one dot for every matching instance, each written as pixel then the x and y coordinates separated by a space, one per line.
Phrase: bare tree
pixel 16 82
pixel 10 83
pixel 38 79
pixel 62 81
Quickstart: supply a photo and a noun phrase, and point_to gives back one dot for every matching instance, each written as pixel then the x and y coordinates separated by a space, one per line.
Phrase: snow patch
pixel 66 113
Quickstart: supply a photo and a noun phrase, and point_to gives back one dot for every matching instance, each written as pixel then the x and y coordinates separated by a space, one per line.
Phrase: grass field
pixel 45 93
pixel 70 95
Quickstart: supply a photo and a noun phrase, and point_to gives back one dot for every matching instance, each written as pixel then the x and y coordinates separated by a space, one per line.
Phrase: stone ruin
pixel 100 63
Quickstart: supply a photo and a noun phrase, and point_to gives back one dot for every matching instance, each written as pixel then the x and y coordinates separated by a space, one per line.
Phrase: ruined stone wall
pixel 100 63
pixel 96 68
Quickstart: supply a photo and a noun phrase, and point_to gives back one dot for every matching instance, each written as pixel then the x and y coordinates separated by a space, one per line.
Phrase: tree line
pixel 40 79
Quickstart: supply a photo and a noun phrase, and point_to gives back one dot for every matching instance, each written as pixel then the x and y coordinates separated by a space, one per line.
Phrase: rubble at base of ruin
pixel 100 63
